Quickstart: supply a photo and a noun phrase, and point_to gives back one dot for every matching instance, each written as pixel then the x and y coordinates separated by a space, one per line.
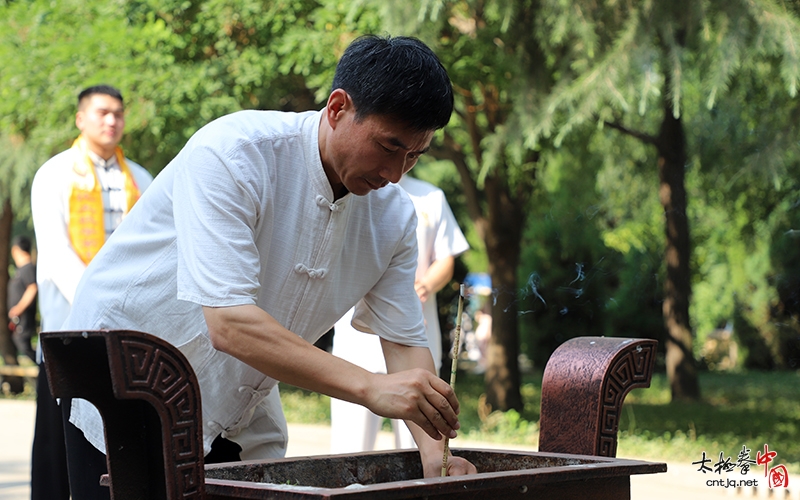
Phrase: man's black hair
pixel 23 242
pixel 399 77
pixel 99 89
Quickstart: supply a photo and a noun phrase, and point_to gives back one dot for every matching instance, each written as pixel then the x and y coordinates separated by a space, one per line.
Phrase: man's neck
pixel 105 157
pixel 103 152
pixel 337 186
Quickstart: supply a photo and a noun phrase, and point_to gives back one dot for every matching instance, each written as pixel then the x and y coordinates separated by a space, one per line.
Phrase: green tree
pixel 15 173
pixel 219 56
pixel 746 160
pixel 591 256
pixel 49 51
pixel 494 61
pixel 566 271
pixel 626 59
pixel 178 64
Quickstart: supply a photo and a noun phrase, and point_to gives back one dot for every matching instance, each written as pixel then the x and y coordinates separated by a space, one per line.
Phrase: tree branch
pixel 451 150
pixel 646 138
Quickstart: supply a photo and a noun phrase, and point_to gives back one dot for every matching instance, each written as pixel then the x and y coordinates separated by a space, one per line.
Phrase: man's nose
pixel 392 174
pixel 394 171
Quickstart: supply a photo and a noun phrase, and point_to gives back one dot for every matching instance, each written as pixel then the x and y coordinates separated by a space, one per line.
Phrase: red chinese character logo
pixel 766 458
pixel 778 477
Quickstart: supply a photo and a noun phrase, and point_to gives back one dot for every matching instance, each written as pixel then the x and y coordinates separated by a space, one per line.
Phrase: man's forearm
pixel 257 339
pixel 24 302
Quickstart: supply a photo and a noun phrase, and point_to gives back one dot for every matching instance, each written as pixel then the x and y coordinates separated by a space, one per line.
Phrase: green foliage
pixel 536 83
pixel 744 209
pixel 50 51
pixel 17 165
pixel 592 260
pixel 486 48
pixel 492 58
pixel 179 64
pixel 565 270
pixel 740 409
pixel 221 56
pixel 590 63
pixel 305 407
pixel 617 58
pixel 722 67
pixel 630 221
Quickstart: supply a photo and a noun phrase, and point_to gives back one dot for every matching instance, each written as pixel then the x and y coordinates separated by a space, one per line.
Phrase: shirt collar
pixel 101 163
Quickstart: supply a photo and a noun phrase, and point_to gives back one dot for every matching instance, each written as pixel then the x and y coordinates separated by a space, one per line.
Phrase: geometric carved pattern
pixel 154 372
pixel 584 385
pixel 632 369
pixel 148 395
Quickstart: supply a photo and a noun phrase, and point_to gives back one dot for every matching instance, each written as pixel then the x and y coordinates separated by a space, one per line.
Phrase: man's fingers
pixel 438 421
pixel 432 431
pixel 457 466
pixel 429 428
pixel 450 400
pixel 423 398
pixel 443 407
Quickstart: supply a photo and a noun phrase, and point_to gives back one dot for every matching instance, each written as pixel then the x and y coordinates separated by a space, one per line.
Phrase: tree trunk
pixel 7 348
pixel 499 219
pixel 502 375
pixel 681 366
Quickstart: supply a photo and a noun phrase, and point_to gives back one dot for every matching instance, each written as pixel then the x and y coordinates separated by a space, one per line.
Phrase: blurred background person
pixel 439 239
pixel 22 292
pixel 78 199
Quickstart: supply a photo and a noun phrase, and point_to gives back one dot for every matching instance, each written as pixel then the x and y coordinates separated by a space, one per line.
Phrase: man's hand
pixel 411 391
pixel 419 396
pixel 431 453
pixel 423 292
pixel 15 312
pixel 439 273
pixel 456 466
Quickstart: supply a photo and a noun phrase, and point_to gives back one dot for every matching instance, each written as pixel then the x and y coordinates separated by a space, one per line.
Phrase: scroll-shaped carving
pixel 631 369
pixel 161 375
pixel 149 398
pixel 584 385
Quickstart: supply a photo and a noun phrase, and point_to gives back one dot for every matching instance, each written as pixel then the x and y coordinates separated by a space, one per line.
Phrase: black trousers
pixel 49 479
pixel 86 463
pixel 22 335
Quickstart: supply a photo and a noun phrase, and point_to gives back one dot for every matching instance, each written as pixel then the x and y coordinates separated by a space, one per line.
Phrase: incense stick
pixel 454 367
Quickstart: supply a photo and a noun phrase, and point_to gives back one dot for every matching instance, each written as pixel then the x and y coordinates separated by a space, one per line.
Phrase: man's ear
pixel 338 104
pixel 79 120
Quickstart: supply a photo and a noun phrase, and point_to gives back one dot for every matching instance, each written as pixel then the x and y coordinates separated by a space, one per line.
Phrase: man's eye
pixel 386 149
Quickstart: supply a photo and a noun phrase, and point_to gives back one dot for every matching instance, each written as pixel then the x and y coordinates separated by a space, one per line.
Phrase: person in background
pixel 439 240
pixel 22 291
pixel 78 198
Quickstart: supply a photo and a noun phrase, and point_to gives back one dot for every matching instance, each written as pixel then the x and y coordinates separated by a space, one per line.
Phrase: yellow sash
pixel 86 227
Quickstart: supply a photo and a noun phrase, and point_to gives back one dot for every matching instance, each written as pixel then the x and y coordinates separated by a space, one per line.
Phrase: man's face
pixel 370 153
pixel 101 120
pixel 16 253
